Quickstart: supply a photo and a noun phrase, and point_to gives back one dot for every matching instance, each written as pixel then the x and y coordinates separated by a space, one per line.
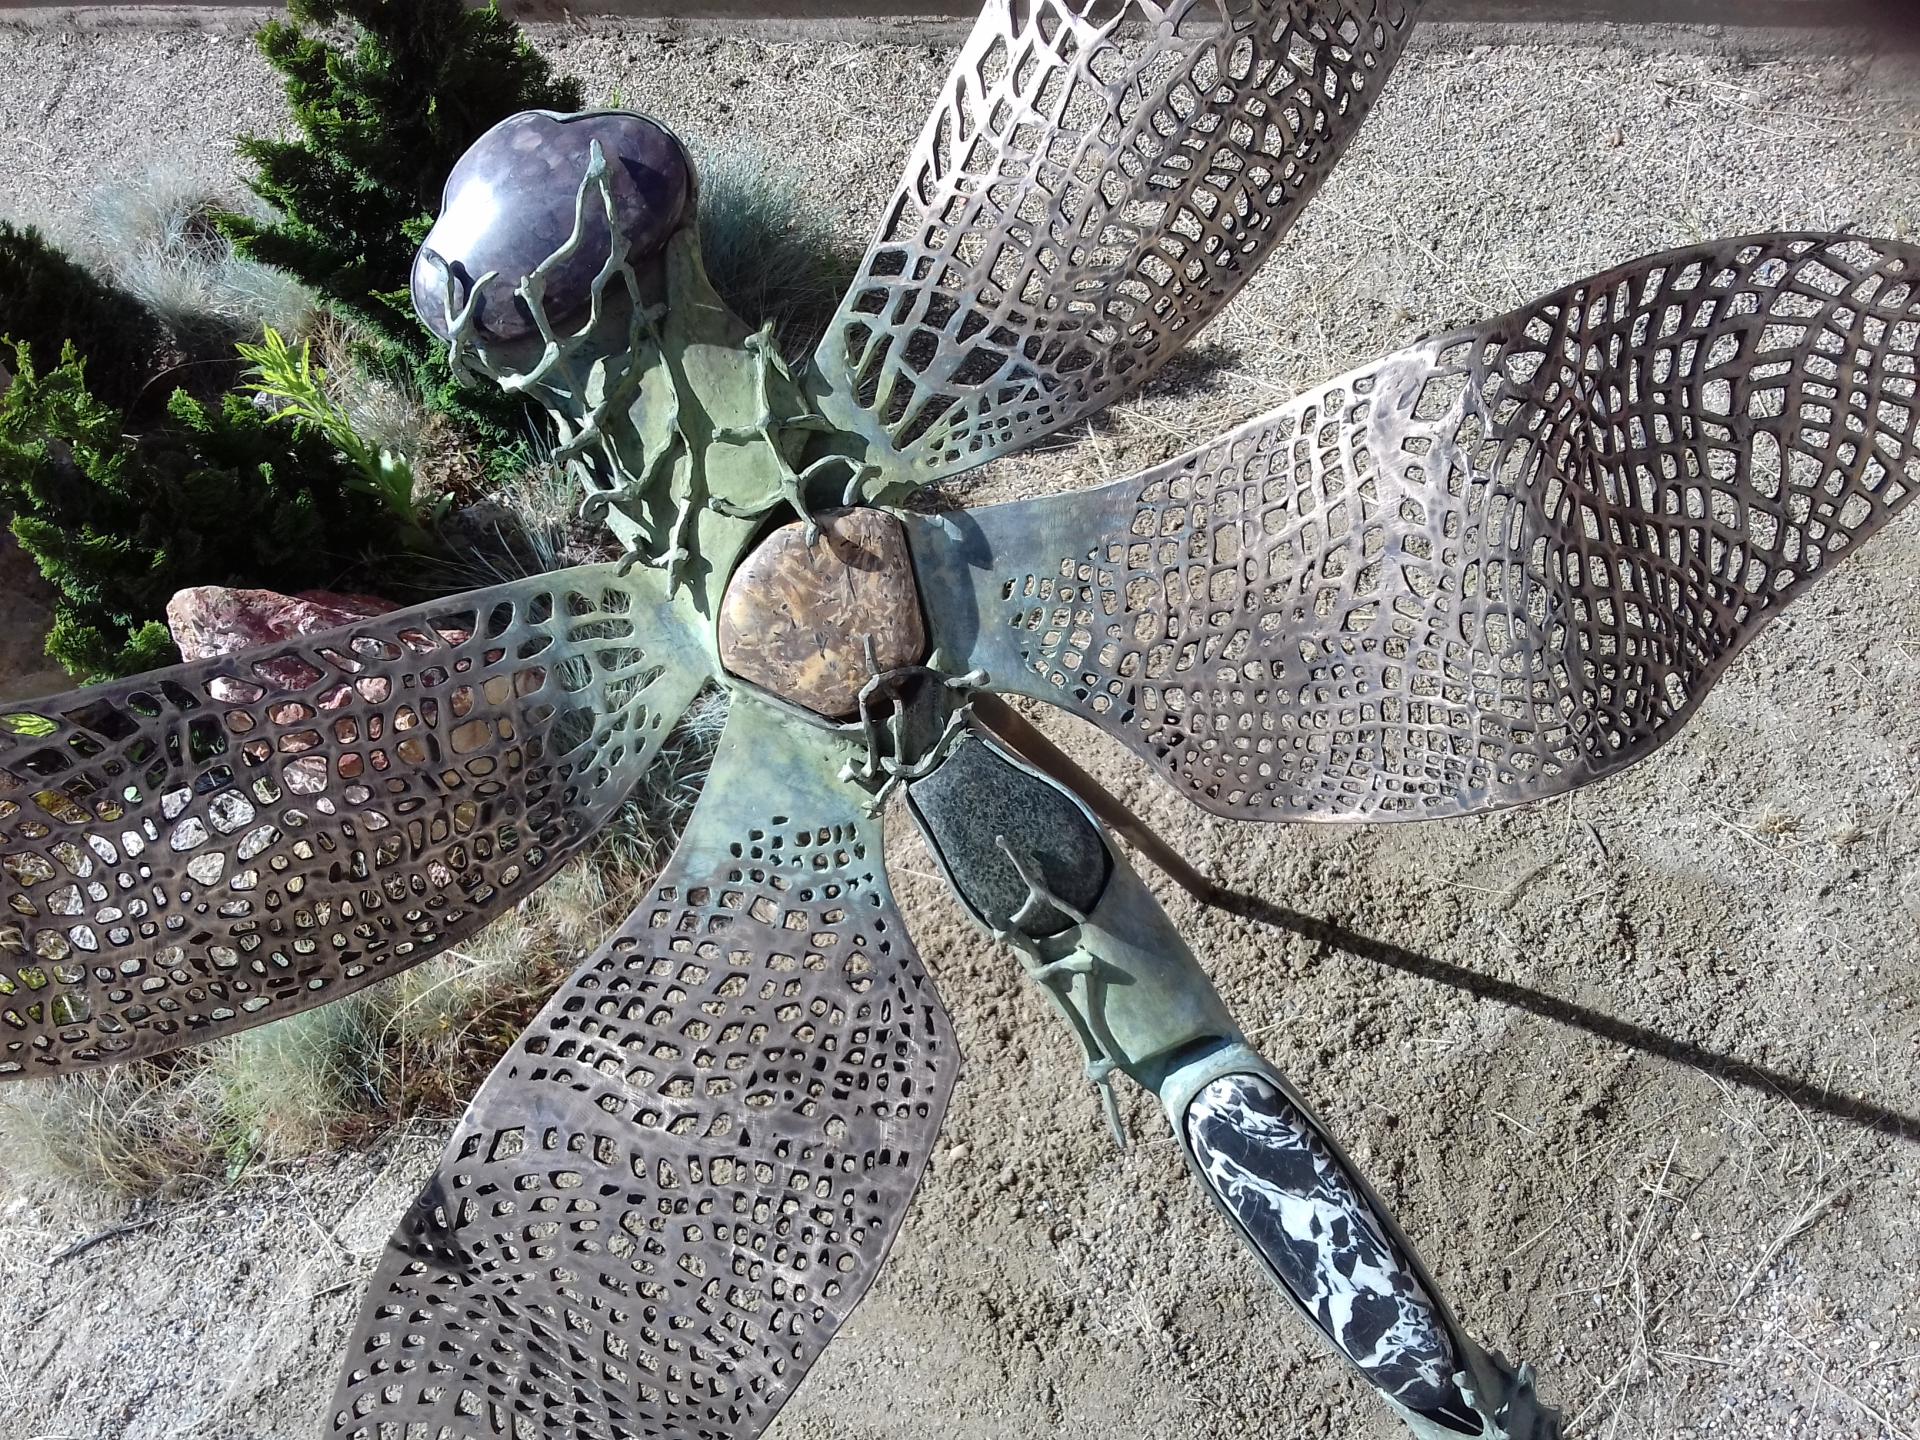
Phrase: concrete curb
pixel 1755 26
pixel 1762 14
pixel 1840 14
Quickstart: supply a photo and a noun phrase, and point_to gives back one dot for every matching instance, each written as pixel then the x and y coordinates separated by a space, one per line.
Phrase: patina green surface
pixel 686 427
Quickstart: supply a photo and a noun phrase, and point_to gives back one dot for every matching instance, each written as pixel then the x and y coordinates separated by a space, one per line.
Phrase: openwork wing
pixel 1098 181
pixel 684 1176
pixel 1491 568
pixel 205 848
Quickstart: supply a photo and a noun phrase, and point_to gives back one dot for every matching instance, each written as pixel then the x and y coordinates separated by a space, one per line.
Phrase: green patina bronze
pixel 686 427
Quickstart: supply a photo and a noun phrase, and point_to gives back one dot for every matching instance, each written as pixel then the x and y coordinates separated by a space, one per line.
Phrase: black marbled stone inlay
pixel 1275 1174
pixel 509 204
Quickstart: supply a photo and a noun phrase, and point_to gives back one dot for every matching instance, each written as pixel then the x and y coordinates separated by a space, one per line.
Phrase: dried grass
pixel 540 506
pixel 768 249
pixel 643 833
pixel 155 236
pixel 383 409
pixel 434 1032
pixel 416 1045
pixel 126 1130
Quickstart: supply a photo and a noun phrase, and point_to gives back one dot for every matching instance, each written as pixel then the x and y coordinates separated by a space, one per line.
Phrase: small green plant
pixel 291 378
pixel 119 521
pixel 382 122
pixel 282 1090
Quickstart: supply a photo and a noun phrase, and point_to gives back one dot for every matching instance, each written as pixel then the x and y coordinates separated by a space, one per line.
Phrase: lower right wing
pixel 684 1176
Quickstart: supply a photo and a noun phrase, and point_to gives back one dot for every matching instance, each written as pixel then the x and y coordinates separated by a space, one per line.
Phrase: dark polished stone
pixel 976 796
pixel 509 204
pixel 1301 1209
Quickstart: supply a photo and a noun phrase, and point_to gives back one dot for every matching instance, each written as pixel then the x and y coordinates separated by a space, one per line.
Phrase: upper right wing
pixel 1098 181
pixel 198 850
pixel 1488 569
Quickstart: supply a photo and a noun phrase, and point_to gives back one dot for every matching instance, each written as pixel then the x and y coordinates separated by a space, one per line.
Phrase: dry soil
pixel 1674 1162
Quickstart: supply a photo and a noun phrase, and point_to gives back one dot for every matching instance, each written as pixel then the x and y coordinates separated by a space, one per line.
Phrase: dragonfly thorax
pixel 820 608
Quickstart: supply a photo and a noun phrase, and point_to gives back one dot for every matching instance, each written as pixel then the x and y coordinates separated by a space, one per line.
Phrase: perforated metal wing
pixel 686 1173
pixel 1100 178
pixel 1493 567
pixel 209 847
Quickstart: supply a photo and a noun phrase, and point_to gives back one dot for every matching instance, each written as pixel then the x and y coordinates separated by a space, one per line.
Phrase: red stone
pixel 212 620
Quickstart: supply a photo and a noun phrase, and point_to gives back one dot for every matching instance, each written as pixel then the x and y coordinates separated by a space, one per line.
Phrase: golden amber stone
pixel 797 616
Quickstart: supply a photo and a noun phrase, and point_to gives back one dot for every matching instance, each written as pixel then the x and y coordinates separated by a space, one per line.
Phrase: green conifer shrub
pixel 48 300
pixel 117 522
pixel 382 122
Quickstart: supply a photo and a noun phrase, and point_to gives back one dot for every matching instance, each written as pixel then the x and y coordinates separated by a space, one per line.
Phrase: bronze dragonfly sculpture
pixel 1495 566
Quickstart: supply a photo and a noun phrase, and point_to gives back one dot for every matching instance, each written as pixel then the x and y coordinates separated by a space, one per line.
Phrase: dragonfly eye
pixel 511 203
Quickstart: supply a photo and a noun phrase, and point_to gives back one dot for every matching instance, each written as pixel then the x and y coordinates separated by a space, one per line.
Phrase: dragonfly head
pixel 552 228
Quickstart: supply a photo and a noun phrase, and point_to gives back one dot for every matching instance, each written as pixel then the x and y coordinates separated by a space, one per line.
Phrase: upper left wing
pixel 680 1181
pixel 1098 181
pixel 203 849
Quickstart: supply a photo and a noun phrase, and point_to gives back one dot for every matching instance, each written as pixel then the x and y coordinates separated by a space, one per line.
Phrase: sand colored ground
pixel 1685 1247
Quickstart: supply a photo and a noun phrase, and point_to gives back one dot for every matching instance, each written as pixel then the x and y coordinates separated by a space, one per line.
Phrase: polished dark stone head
pixel 509 204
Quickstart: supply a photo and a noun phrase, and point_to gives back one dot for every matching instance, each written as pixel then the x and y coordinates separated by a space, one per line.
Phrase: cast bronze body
pixel 1500 564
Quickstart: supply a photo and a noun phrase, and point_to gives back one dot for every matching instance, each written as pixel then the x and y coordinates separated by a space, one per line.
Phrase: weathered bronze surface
pixel 1095 185
pixel 1493 567
pixel 1501 564
pixel 682 1179
pixel 803 609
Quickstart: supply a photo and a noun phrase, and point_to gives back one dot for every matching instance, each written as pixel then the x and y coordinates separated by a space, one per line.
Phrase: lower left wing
pixel 683 1177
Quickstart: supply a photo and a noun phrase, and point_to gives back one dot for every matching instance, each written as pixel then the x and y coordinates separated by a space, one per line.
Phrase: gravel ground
pixel 1684 1246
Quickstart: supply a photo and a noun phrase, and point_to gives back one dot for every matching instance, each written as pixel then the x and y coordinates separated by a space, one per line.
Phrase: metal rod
pixel 1013 728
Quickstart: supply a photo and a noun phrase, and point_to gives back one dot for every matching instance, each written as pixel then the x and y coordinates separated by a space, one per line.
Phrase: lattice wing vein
pixel 1491 568
pixel 1092 189
pixel 684 1176
pixel 206 848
